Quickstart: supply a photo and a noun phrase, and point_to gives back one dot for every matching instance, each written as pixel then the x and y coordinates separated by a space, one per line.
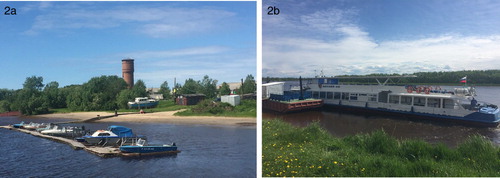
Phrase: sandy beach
pixel 157 117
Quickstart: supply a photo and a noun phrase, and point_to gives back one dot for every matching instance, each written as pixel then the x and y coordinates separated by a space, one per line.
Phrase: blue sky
pixel 71 42
pixel 379 36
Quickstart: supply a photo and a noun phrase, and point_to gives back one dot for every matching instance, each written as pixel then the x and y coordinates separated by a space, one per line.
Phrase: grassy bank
pixel 247 108
pixel 312 151
pixel 163 105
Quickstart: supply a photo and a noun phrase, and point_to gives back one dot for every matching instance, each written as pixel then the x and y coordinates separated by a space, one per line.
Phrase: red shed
pixel 189 99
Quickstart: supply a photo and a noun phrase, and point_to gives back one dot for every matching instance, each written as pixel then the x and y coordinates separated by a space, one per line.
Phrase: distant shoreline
pixel 156 117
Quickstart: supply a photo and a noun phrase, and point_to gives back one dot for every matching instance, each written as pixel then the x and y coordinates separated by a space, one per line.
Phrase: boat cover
pixel 121 131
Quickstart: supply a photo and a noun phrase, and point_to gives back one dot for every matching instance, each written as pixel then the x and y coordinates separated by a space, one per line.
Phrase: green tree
pixel 33 83
pixel 53 95
pixel 4 106
pixel 99 93
pixel 208 87
pixel 190 87
pixel 78 99
pixel 139 89
pixel 7 97
pixel 124 97
pixel 165 90
pixel 30 100
pixel 224 89
pixel 249 85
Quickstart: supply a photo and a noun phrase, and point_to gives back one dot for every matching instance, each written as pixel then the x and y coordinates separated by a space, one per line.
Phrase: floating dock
pixel 99 151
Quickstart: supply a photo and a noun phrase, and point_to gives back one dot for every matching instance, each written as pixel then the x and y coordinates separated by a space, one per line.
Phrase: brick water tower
pixel 128 71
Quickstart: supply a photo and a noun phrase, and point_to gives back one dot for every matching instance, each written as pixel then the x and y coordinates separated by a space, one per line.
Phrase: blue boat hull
pixel 474 119
pixel 143 105
pixel 148 149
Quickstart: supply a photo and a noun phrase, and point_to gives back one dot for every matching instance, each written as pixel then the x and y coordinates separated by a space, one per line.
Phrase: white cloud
pixel 360 55
pixel 330 41
pixel 153 21
pixel 221 63
pixel 176 53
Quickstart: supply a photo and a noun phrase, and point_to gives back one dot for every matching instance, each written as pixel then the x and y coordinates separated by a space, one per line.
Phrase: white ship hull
pixel 407 100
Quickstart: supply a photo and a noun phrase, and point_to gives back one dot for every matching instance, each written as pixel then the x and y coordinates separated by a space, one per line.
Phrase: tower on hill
pixel 128 71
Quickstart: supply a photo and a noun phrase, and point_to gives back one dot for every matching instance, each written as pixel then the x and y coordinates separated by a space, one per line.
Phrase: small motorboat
pixel 34 126
pixel 113 136
pixel 142 147
pixel 61 131
pixel 20 125
pixel 46 127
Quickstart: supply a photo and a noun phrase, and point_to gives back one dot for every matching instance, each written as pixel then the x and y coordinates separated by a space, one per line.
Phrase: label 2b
pixel 273 10
pixel 9 11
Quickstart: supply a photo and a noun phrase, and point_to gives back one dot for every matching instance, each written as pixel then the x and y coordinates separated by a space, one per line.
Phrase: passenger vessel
pixel 430 102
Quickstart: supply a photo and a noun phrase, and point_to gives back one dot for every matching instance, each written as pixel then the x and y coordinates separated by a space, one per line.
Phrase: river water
pixel 206 151
pixel 341 124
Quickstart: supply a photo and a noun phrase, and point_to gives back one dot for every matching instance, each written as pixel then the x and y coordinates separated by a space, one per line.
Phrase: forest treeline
pixel 102 93
pixel 474 77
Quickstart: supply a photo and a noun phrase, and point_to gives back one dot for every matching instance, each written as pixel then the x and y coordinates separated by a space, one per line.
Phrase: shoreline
pixel 155 117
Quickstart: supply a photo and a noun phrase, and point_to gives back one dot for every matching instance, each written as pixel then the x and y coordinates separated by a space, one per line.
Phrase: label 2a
pixel 9 11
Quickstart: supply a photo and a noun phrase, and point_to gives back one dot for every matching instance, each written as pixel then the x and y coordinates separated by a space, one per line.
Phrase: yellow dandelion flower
pixel 335 162
pixel 319 167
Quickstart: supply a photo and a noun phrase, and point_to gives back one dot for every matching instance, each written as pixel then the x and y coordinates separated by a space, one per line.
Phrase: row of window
pixel 344 96
pixel 407 100
pixel 420 101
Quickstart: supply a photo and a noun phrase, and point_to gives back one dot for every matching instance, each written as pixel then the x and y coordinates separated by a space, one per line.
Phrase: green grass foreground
pixel 312 151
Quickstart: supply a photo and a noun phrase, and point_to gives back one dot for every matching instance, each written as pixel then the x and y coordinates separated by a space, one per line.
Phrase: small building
pixel 233 100
pixel 154 93
pixel 189 99
pixel 272 88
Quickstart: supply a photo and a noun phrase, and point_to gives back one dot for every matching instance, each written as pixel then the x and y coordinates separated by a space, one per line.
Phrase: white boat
pixel 33 126
pixel 61 131
pixel 457 104
pixel 47 127
pixel 143 102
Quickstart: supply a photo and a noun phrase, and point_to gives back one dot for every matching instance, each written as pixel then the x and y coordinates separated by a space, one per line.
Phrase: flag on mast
pixel 463 80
